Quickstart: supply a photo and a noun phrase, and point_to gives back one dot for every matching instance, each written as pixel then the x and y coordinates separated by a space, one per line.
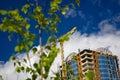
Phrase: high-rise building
pixel 101 62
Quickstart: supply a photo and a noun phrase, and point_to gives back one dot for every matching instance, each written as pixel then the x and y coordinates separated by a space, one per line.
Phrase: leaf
pixel 34 76
pixel 67 38
pixel 25 60
pixel 25 8
pixel 35 65
pixel 19 63
pixel 14 64
pixel 73 6
pixel 13 13
pixel 28 69
pixel 18 69
pixel 17 48
pixel 63 12
pixel 58 1
pixel 12 58
pixel 3 12
pixel 27 26
pixel 22 68
pixel 28 79
pixel 34 50
pixel 30 43
pixel 78 2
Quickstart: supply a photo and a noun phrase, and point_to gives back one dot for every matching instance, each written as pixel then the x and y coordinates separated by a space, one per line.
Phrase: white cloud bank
pixel 108 36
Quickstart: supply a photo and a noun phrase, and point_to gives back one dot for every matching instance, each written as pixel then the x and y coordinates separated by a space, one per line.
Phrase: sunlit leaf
pixel 63 12
pixel 27 26
pixel 25 8
pixel 18 69
pixel 3 12
pixel 30 43
pixel 28 69
pixel 12 58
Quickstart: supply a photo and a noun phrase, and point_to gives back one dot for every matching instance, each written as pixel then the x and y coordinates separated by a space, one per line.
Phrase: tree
pixel 1 77
pixel 17 22
pixel 90 75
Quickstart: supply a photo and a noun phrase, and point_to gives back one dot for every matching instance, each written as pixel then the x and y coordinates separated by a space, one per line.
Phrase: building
pixel 101 61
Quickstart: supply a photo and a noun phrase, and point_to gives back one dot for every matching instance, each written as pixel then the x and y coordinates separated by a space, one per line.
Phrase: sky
pixel 97 22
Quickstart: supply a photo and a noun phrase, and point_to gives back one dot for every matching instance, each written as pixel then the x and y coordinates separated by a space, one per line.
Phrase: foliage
pixel 90 75
pixel 1 77
pixel 17 23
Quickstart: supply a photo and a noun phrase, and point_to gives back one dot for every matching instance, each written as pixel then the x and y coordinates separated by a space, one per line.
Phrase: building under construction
pixel 101 61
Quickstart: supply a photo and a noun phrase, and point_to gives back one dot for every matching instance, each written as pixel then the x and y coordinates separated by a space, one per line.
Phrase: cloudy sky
pixel 98 25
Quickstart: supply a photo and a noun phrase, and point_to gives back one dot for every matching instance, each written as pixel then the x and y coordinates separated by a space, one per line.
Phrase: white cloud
pixel 71 13
pixel 81 14
pixel 117 18
pixel 107 37
pixel 83 41
pixel 106 27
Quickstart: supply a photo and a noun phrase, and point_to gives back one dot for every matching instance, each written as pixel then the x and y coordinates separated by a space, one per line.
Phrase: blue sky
pixel 87 17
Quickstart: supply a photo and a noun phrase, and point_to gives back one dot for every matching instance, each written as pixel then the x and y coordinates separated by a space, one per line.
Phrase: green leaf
pixel 27 26
pixel 90 75
pixel 14 64
pixel 34 76
pixel 12 58
pixel 63 12
pixel 22 68
pixel 30 43
pixel 17 48
pixel 27 48
pixel 73 6
pixel 25 60
pixel 19 63
pixel 78 2
pixel 58 1
pixel 3 12
pixel 25 8
pixel 34 50
pixel 13 13
pixel 28 79
pixel 35 65
pixel 18 69
pixel 28 69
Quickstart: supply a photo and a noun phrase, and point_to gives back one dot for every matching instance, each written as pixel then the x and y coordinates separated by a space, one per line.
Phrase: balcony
pixel 87 64
pixel 86 53
pixel 89 59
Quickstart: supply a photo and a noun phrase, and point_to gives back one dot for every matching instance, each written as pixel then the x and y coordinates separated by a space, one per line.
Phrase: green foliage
pixel 12 58
pixel 18 69
pixel 34 50
pixel 16 23
pixel 78 2
pixel 1 77
pixel 90 75
pixel 3 12
pixel 26 7
pixel 28 79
